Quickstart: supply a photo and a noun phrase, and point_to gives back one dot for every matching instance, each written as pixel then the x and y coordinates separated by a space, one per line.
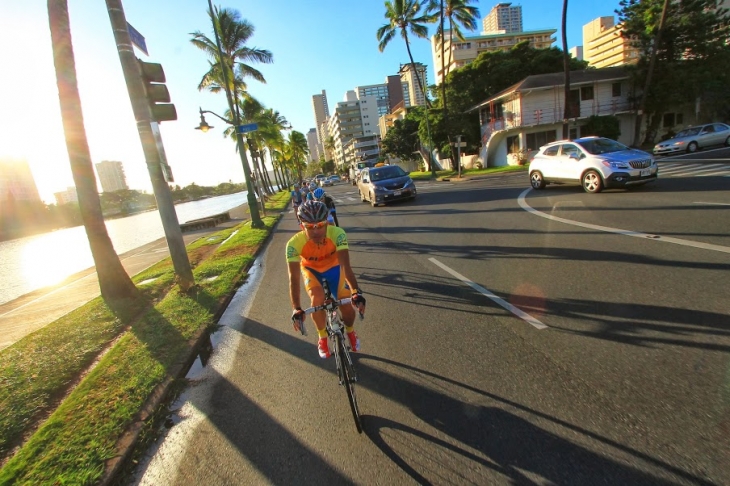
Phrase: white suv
pixel 594 162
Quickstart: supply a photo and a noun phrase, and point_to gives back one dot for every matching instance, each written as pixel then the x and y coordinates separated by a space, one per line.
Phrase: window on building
pixel 668 120
pixel 538 139
pixel 573 133
pixel 679 119
pixel 586 93
pixel 616 90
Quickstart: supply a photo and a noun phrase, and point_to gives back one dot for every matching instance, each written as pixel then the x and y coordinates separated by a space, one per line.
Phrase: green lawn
pixel 93 371
pixel 441 174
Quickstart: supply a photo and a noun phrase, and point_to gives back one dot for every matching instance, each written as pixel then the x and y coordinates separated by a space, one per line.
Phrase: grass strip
pixel 416 176
pixel 71 447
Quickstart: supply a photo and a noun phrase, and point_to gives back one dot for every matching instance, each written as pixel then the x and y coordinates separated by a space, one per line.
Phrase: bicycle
pixel 341 347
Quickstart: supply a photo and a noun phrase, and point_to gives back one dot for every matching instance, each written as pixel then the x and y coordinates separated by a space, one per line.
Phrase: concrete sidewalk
pixel 32 311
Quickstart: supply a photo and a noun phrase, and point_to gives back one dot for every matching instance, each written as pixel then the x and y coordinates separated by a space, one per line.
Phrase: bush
pixel 602 126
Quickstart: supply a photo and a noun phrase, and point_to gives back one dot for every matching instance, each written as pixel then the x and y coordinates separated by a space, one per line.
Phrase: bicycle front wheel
pixel 348 379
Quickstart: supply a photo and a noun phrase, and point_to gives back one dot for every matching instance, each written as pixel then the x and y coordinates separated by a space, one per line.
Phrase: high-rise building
pixel 407 75
pixel 353 117
pixel 111 176
pixel 321 113
pixel 462 52
pixel 313 144
pixel 503 19
pixel 388 94
pixel 576 52
pixel 16 181
pixel 603 45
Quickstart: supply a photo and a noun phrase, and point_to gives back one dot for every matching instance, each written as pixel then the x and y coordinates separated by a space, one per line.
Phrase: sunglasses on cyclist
pixel 314 226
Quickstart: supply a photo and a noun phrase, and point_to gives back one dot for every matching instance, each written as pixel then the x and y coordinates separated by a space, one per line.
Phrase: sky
pixel 326 45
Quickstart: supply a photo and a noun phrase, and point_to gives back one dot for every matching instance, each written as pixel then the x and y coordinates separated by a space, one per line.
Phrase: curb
pixel 127 443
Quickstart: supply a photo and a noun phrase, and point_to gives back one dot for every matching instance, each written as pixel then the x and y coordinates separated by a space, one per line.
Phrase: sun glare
pixel 49 260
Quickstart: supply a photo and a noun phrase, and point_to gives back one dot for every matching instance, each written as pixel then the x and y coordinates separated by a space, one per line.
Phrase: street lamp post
pixel 251 196
pixel 252 206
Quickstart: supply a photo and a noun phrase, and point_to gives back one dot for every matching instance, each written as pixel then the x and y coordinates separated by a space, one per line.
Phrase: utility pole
pixel 142 113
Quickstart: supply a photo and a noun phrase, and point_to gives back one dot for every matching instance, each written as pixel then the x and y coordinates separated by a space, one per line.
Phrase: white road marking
pixel 518 312
pixel 667 239
pixel 712 203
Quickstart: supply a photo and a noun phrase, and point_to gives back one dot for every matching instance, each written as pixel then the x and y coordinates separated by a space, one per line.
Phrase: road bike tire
pixel 348 373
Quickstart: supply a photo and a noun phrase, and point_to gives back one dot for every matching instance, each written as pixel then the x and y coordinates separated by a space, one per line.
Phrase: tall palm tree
pixel 329 147
pixel 274 123
pixel 235 32
pixel 407 16
pixel 114 283
pixel 566 69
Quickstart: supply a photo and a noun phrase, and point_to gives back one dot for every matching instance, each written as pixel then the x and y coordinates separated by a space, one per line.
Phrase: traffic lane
pixel 690 208
pixel 711 154
pixel 661 347
pixel 455 294
pixel 432 413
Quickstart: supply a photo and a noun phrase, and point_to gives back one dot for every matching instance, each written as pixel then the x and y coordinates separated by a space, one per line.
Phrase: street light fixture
pixel 251 195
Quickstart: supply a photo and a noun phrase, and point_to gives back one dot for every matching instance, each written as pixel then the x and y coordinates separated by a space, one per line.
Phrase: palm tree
pixel 235 32
pixel 405 15
pixel 114 283
pixel 298 150
pixel 566 70
pixel 329 146
pixel 459 13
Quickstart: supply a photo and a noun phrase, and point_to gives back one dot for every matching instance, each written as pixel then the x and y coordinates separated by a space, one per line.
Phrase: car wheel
pixel 536 180
pixel 592 182
pixel 727 142
pixel 692 147
pixel 372 200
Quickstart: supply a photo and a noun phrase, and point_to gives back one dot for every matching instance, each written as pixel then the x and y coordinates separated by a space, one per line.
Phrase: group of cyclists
pixel 320 251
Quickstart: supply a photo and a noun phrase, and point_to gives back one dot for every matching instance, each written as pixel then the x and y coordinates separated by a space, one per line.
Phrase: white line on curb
pixel 667 239
pixel 518 312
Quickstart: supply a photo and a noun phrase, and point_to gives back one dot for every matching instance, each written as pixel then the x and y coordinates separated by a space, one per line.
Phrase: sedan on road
pixel 380 185
pixel 695 138
pixel 593 162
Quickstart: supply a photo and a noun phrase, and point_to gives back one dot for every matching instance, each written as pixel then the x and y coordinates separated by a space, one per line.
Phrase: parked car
pixel 593 162
pixel 335 178
pixel 319 177
pixel 695 138
pixel 325 182
pixel 381 185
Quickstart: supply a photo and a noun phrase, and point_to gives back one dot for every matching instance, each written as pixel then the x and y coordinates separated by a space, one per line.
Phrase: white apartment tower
pixel 313 144
pixel 603 45
pixel 503 19
pixel 111 176
pixel 407 75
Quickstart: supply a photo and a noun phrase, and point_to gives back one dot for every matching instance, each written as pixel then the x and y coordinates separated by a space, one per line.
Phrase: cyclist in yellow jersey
pixel 320 251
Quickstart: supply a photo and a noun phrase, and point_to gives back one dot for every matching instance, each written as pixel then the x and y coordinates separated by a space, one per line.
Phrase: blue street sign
pixel 251 127
pixel 137 38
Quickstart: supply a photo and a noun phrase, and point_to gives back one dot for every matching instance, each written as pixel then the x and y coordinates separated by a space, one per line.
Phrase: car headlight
pixel 678 143
pixel 615 165
pixel 408 183
pixel 378 188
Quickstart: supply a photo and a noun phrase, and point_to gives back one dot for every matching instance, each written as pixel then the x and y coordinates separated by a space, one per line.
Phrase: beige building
pixel 603 45
pixel 464 52
pixel 354 117
pixel 503 19
pixel 415 94
pixel 67 196
pixel 111 176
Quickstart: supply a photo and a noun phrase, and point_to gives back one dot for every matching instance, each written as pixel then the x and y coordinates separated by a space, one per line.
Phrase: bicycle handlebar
pixel 328 306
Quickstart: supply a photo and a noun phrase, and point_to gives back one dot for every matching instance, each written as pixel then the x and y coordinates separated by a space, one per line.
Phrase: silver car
pixel 694 138
pixel 381 185
pixel 593 162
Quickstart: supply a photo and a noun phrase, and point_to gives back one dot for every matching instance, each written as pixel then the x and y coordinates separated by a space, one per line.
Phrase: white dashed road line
pixel 667 239
pixel 516 311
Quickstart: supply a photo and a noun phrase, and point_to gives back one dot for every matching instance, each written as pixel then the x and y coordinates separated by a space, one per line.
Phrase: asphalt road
pixel 511 336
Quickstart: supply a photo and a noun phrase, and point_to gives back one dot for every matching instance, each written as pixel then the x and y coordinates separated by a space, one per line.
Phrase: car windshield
pixel 598 146
pixel 383 173
pixel 690 132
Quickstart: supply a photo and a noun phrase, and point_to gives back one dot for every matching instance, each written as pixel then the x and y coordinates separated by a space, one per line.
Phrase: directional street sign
pixel 137 38
pixel 251 127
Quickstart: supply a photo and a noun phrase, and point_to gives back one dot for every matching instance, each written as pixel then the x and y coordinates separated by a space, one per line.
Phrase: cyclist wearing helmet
pixel 312 188
pixel 320 251
pixel 296 197
pixel 320 195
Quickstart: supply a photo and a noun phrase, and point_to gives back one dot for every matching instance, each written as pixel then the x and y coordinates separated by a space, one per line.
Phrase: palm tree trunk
pixel 566 69
pixel 428 105
pixel 649 73
pixel 454 155
pixel 114 283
